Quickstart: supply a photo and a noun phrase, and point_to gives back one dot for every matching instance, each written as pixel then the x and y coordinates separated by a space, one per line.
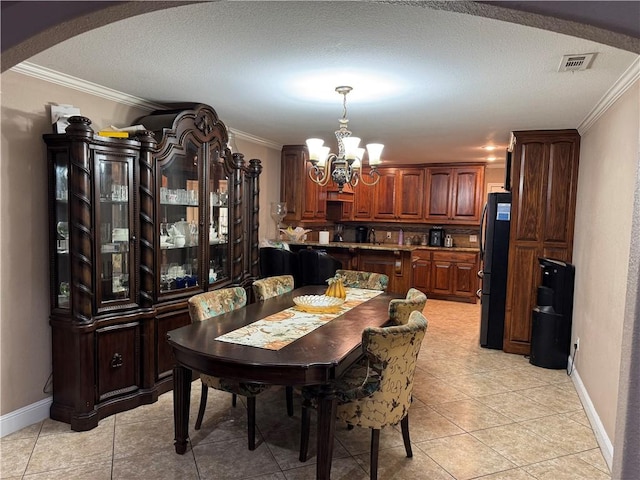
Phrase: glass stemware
pixel 278 212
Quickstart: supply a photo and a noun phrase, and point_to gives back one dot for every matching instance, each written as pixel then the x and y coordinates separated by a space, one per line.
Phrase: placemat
pixel 280 329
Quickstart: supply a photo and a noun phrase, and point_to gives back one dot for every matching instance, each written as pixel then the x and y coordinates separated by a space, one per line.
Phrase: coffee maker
pixel 362 234
pixel 436 237
pixel 337 235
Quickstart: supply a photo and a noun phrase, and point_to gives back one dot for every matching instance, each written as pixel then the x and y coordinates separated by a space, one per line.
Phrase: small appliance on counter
pixel 436 237
pixel 337 235
pixel 448 241
pixel 362 234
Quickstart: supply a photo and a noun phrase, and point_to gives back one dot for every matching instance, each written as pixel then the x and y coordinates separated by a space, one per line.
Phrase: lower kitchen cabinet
pixel 446 275
pixel 396 264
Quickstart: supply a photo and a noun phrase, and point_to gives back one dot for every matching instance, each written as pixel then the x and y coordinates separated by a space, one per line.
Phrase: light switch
pixel 473 238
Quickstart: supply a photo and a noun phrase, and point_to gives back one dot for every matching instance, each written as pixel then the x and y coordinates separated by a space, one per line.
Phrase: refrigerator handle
pixel 483 230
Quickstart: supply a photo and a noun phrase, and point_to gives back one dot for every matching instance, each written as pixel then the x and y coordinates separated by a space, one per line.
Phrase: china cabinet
pixel 98 326
pixel 137 227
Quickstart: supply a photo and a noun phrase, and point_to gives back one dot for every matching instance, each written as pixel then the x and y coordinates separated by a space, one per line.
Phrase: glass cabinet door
pixel 218 220
pixel 116 231
pixel 62 269
pixel 179 220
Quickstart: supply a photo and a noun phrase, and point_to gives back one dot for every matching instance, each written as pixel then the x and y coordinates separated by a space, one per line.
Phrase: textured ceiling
pixel 432 85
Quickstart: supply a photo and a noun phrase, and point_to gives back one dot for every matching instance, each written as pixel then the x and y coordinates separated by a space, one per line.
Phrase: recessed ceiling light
pixel 491 158
pixel 489 147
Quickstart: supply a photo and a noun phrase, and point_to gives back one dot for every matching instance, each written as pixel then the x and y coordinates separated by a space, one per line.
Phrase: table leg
pixel 181 398
pixel 327 406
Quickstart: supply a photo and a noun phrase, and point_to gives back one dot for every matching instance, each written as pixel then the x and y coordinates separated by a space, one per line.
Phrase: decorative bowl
pixel 318 303
pixel 294 235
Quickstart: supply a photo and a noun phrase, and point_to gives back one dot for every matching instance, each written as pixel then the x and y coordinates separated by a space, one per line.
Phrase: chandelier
pixel 345 167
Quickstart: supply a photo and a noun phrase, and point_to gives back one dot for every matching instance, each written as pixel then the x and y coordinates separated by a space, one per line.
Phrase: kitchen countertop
pixel 383 246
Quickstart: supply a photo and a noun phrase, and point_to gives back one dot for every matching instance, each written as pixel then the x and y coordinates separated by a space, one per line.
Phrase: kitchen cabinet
pixel 454 195
pixel 306 200
pixel 396 264
pixel 446 274
pixel 363 202
pixel 421 263
pixel 545 179
pixel 398 195
pixel 138 226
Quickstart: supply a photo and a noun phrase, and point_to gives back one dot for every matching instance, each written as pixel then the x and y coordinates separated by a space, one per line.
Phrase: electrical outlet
pixel 577 344
pixel 473 238
pixel 388 235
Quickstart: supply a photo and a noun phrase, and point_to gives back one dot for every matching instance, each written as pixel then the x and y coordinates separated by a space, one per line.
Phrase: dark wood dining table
pixel 315 358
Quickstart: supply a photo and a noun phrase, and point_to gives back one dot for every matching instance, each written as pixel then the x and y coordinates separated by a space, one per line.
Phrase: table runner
pixel 280 329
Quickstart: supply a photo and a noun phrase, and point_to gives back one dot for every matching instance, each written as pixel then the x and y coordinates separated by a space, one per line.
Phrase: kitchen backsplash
pixel 415 234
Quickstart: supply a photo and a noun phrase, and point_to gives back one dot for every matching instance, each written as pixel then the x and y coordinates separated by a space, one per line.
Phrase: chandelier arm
pixel 321 176
pixel 373 174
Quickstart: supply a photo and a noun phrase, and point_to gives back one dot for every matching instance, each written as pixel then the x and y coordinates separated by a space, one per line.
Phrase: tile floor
pixel 477 413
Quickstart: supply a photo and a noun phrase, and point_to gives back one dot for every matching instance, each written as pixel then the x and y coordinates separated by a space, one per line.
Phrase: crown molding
pixel 626 80
pixel 253 139
pixel 52 76
pixel 48 75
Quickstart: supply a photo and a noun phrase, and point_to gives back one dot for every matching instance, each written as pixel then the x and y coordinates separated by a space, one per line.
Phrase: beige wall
pixel 25 340
pixel 25 335
pixel 606 180
pixel 493 175
pixel 269 181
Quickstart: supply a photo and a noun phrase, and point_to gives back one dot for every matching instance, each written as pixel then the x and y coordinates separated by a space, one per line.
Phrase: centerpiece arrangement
pixel 330 302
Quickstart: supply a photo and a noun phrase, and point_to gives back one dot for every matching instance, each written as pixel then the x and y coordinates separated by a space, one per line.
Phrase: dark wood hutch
pixel 137 226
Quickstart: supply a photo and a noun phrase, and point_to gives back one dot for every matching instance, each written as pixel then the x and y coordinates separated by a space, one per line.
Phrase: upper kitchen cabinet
pixel 545 179
pixel 454 195
pixel 362 202
pixel 306 200
pixel 398 195
pixel 97 323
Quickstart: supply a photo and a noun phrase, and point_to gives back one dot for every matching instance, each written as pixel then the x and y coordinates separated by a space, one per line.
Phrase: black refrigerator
pixel 494 251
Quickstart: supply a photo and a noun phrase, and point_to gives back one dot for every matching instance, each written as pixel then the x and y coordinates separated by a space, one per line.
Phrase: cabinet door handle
pixel 116 360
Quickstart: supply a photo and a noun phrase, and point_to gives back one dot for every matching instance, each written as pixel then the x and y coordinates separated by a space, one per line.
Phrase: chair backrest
pixel 278 261
pixel 400 309
pixel 359 279
pixel 210 304
pixel 316 266
pixel 272 286
pixel 392 353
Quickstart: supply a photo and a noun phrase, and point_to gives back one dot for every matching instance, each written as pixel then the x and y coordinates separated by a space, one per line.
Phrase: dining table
pixel 273 342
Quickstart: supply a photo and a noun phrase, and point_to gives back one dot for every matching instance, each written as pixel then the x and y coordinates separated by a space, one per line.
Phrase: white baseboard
pixel 598 428
pixel 25 416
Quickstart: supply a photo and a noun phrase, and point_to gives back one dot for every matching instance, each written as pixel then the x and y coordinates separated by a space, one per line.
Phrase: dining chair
pixel 400 308
pixel 378 393
pixel 269 287
pixel 211 304
pixel 360 279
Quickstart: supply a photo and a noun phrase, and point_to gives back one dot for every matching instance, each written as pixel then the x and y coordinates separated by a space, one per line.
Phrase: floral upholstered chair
pixel 359 279
pixel 400 309
pixel 269 287
pixel 211 304
pixel 378 394
pixel 272 286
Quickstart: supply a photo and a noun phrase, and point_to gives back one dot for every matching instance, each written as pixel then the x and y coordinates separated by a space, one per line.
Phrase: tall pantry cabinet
pixel 138 226
pixel 544 184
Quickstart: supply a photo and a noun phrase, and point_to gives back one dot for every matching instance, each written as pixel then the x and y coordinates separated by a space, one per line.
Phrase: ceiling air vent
pixel 572 63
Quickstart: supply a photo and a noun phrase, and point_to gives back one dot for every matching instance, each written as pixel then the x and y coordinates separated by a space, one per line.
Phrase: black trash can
pixel 551 319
